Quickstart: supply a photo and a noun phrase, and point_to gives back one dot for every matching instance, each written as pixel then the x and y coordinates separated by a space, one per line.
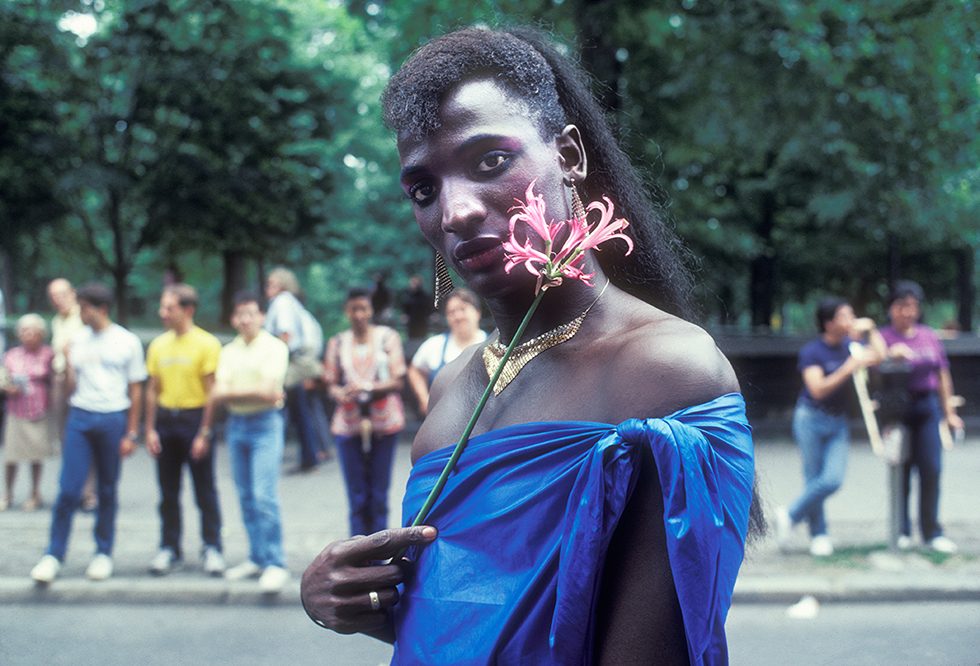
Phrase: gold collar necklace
pixel 524 352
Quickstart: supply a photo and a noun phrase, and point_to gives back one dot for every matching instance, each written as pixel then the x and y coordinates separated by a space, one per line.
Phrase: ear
pixel 571 154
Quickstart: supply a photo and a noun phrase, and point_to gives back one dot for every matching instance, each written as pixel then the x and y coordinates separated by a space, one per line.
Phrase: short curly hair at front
pixel 411 99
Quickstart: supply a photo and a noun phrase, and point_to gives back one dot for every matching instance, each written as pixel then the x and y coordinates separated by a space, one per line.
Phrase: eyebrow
pixel 466 145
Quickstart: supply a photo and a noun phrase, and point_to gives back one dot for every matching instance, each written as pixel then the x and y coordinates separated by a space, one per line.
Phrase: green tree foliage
pixel 801 140
pixel 32 154
pixel 805 147
pixel 195 125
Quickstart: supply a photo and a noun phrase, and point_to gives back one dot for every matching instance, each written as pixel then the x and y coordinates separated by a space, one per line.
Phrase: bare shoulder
pixel 449 374
pixel 678 362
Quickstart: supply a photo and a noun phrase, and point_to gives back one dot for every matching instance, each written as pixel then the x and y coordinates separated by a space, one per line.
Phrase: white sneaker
pixel 943 545
pixel 904 542
pixel 273 579
pixel 100 568
pixel 247 569
pixel 214 563
pixel 46 570
pixel 821 546
pixel 163 563
pixel 784 528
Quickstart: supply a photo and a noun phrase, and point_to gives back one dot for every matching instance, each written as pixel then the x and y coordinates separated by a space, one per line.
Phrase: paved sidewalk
pixel 863 569
pixel 314 513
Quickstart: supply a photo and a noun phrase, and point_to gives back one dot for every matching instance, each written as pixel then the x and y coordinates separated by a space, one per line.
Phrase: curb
pixel 140 591
pixel 856 589
pixel 768 590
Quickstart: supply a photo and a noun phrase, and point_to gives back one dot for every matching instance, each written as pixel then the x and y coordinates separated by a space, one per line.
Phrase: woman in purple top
pixel 930 389
pixel 820 418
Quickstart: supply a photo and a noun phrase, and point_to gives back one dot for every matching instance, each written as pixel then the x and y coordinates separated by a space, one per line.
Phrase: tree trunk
pixel 894 261
pixel 762 284
pixel 120 265
pixel 599 54
pixel 122 295
pixel 7 284
pixel 7 294
pixel 234 280
pixel 965 289
pixel 762 290
pixel 726 302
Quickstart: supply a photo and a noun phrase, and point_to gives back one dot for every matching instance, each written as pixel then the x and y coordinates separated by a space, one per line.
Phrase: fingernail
pixel 429 532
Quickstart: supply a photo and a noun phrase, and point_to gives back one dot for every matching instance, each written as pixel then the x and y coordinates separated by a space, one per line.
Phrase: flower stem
pixel 464 438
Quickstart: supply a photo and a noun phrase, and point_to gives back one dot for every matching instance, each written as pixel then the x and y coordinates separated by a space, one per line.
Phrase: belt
pixel 169 411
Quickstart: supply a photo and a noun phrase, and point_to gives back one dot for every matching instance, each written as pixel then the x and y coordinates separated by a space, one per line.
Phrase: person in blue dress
pixel 600 510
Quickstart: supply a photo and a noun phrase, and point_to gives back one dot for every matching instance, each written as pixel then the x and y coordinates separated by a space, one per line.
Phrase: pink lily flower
pixel 558 260
pixel 607 228
pixel 532 213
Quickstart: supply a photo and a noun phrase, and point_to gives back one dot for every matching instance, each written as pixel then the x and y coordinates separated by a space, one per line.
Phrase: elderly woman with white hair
pixel 26 379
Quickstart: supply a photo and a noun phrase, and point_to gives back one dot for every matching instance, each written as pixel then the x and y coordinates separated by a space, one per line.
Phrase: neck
pixel 464 338
pixel 559 306
pixel 100 324
pixel 248 337
pixel 832 339
pixel 361 333
pixel 182 329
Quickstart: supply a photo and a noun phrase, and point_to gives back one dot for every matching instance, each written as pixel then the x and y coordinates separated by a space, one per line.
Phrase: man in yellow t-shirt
pixel 249 382
pixel 181 364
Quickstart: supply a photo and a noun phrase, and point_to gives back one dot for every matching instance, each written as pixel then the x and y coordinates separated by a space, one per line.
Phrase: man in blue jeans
pixel 820 418
pixel 105 374
pixel 291 322
pixel 249 382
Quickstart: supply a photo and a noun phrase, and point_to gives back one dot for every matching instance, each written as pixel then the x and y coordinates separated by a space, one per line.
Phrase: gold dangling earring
pixel 444 282
pixel 578 209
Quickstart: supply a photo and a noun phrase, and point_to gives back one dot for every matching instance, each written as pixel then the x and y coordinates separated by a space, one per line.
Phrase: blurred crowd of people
pixel 81 387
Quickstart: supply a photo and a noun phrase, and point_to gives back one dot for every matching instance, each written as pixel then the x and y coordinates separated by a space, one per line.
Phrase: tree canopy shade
pixel 804 139
pixel 805 148
pixel 196 126
pixel 32 153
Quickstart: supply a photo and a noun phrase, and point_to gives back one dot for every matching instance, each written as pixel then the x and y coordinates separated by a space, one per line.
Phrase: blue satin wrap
pixel 525 521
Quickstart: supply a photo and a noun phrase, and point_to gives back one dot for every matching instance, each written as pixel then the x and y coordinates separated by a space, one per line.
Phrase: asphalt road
pixel 760 635
pixel 945 633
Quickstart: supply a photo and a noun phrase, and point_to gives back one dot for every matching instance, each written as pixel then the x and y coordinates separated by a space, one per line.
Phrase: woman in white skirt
pixel 27 435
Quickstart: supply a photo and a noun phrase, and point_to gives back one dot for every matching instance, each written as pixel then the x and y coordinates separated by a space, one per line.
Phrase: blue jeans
pixel 177 429
pixel 367 475
pixel 823 440
pixel 301 404
pixel 925 455
pixel 255 444
pixel 90 438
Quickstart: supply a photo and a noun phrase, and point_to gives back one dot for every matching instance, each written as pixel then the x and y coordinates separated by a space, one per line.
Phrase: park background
pixel 800 148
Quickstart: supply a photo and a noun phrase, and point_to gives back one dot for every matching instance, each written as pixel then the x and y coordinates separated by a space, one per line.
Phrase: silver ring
pixel 375 600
